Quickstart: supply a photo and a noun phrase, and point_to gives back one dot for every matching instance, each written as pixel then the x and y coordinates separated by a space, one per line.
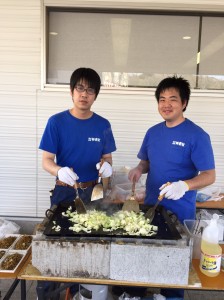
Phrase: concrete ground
pixel 31 292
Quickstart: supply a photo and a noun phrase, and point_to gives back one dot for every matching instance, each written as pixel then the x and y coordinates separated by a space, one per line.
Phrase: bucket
pixel 93 292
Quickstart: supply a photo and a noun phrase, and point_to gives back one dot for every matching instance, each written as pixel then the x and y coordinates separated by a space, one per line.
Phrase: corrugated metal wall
pixel 19 79
pixel 24 110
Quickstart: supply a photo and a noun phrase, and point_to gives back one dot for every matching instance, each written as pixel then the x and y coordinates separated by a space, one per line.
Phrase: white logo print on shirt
pixel 92 139
pixel 178 143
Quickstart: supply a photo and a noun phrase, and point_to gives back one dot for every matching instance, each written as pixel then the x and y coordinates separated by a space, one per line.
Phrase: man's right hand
pixel 134 174
pixel 66 175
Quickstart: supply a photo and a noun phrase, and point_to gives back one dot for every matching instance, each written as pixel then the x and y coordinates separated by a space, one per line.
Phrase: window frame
pixel 46 8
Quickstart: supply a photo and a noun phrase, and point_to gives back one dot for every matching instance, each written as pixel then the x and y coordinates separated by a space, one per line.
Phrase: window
pixel 211 68
pixel 136 49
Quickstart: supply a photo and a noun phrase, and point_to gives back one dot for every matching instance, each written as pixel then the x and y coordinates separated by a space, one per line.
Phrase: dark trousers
pixel 66 195
pixel 172 293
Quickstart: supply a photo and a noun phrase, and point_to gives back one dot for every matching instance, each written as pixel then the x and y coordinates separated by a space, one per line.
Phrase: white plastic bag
pixel 209 193
pixel 126 296
pixel 206 216
pixel 8 227
pixel 158 297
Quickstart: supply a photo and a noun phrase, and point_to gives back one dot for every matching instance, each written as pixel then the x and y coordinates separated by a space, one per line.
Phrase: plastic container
pixel 93 292
pixel 194 229
pixel 123 191
pixel 120 175
pixel 211 252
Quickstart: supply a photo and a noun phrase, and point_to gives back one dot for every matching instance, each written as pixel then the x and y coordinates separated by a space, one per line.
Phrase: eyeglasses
pixel 81 89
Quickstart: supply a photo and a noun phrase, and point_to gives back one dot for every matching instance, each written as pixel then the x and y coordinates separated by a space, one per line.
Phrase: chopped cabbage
pixel 132 223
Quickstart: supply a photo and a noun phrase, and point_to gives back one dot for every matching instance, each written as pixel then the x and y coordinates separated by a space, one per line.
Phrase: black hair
pixel 87 74
pixel 179 83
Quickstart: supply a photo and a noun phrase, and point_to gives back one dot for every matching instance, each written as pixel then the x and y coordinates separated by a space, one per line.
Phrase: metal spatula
pixel 150 214
pixel 79 205
pixel 131 204
pixel 97 192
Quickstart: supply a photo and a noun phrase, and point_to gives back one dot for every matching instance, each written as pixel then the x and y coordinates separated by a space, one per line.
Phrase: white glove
pixel 175 190
pixel 66 175
pixel 105 170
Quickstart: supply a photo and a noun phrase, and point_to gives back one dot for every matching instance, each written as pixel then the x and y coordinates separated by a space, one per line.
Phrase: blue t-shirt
pixel 176 153
pixel 78 144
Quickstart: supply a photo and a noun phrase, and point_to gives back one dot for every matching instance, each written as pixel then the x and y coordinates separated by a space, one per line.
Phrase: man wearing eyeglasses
pixel 76 140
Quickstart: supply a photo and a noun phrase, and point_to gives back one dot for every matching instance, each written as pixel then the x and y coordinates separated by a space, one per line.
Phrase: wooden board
pixel 209 283
pixel 211 204
pixel 207 204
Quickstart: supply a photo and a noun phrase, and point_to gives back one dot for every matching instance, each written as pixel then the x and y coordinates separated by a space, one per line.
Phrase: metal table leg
pixel 11 289
pixel 49 289
pixel 23 289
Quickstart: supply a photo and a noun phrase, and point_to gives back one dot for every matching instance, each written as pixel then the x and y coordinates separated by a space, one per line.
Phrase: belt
pixel 81 185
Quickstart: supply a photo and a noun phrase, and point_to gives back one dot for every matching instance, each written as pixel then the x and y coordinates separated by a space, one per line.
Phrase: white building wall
pixel 25 108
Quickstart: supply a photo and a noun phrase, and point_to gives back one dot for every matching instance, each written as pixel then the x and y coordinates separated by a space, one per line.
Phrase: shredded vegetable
pixel 56 227
pixel 130 222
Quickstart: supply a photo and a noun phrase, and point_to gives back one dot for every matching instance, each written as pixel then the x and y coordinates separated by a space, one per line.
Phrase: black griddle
pixel 166 228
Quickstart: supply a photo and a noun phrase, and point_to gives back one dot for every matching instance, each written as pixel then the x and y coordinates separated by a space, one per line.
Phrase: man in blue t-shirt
pixel 76 140
pixel 175 151
pixel 177 155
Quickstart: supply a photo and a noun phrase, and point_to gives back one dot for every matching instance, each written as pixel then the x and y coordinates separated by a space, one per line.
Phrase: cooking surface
pixel 166 229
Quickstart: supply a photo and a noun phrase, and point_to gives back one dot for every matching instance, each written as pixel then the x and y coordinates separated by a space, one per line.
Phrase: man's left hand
pixel 105 170
pixel 175 190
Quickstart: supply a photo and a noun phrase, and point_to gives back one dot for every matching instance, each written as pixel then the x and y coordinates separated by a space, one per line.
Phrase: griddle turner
pixel 97 192
pixel 131 204
pixel 79 205
pixel 151 211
